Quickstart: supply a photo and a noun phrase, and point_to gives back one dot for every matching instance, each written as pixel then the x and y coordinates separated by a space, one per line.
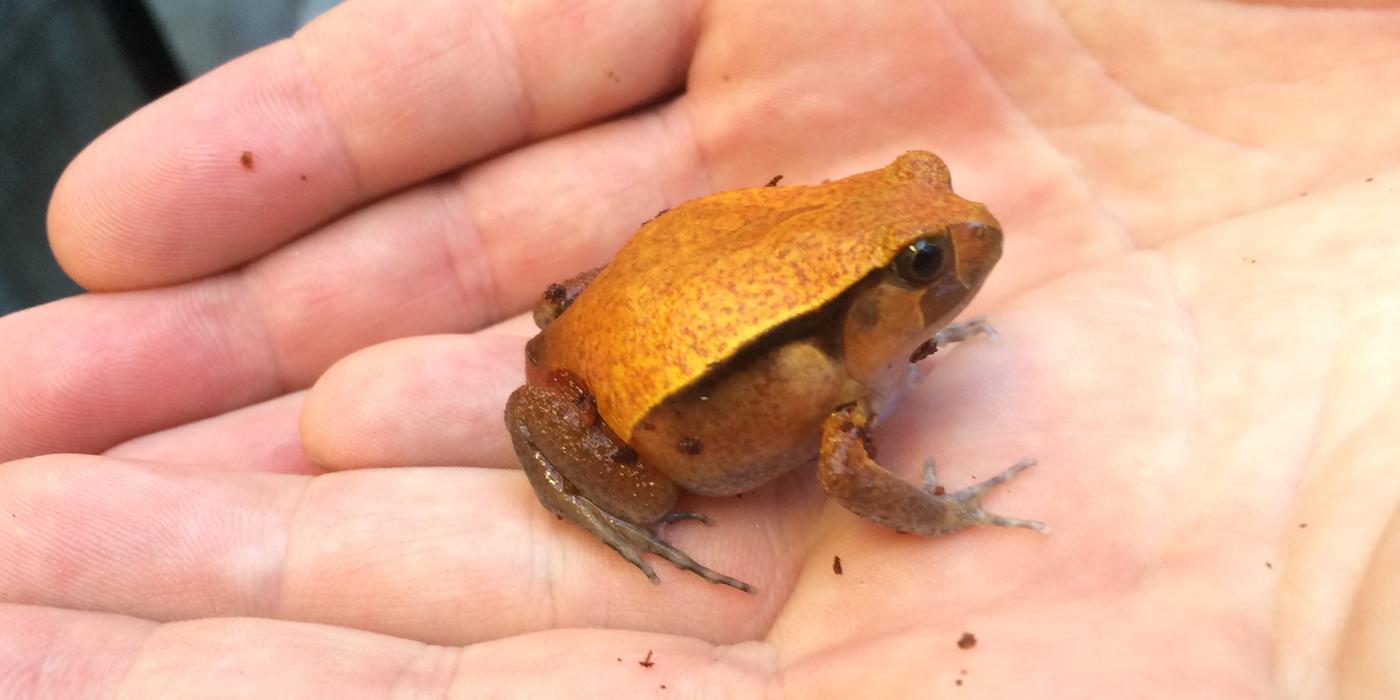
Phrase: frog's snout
pixel 978 242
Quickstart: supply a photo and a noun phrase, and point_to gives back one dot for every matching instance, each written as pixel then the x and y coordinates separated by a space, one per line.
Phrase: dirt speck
pixel 967 640
pixel 836 565
pixel 928 347
pixel 245 159
pixel 647 662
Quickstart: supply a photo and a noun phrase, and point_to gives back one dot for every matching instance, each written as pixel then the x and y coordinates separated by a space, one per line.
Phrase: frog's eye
pixel 919 263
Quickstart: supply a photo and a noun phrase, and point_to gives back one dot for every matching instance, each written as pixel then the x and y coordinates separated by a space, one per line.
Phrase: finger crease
pixel 347 155
pixel 503 39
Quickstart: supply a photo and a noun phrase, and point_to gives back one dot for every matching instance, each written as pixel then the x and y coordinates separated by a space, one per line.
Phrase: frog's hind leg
pixel 561 295
pixel 585 474
pixel 851 476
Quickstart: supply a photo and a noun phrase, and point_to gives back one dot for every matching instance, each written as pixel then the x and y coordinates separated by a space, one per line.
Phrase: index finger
pixel 365 100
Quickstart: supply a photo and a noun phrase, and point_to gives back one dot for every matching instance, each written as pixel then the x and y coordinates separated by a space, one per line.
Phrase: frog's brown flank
pixel 836 565
pixel 967 640
pixel 647 662
pixel 246 160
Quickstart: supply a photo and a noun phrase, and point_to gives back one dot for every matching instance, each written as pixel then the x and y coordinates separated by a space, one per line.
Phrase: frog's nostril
pixel 980 231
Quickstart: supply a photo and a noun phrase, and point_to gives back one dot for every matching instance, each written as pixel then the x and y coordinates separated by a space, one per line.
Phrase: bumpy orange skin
pixel 711 276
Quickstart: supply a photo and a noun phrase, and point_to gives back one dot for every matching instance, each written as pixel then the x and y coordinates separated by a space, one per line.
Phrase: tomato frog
pixel 738 335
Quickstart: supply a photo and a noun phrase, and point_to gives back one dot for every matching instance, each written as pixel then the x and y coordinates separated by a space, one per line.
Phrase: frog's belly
pixel 748 424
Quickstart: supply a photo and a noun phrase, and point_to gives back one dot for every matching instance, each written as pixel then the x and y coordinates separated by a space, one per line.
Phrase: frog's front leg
pixel 582 472
pixel 850 475
pixel 962 330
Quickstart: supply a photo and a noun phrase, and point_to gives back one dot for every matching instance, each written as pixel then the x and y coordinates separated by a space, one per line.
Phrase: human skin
pixel 1198 309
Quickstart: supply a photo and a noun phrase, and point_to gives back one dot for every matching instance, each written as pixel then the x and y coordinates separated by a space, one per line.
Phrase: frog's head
pixel 948 246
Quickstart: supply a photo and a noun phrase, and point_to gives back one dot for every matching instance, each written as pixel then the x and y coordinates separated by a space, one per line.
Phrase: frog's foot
pixel 958 332
pixel 581 472
pixel 627 538
pixel 850 476
pixel 971 497
pixel 630 540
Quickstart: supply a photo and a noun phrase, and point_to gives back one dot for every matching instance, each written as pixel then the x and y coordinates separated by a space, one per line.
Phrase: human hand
pixel 1196 306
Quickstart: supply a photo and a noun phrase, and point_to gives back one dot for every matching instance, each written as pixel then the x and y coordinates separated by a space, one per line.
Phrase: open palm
pixel 1198 308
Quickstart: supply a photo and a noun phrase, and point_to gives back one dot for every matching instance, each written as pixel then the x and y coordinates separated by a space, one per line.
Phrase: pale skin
pixel 1198 309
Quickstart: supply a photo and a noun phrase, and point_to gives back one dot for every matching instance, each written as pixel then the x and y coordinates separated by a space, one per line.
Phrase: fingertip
pixel 421 401
pixel 69 205
pixel 206 178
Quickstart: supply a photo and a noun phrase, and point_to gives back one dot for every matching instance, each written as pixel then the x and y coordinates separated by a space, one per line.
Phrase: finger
pixel 463 554
pixel 52 653
pixel 265 436
pixel 429 401
pixel 66 653
pixel 83 373
pixel 363 101
pixel 262 437
pixel 90 372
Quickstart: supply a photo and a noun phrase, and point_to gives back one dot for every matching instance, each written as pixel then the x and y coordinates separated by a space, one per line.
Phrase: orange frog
pixel 736 336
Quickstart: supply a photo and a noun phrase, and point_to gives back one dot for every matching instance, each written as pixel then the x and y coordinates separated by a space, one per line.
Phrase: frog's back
pixel 701 281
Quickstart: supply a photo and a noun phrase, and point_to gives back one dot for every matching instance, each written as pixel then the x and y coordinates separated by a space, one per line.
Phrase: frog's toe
pixel 686 515
pixel 975 492
pixel 930 478
pixel 958 332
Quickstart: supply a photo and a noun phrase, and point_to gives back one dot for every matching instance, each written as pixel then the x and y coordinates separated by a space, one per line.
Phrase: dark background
pixel 71 68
